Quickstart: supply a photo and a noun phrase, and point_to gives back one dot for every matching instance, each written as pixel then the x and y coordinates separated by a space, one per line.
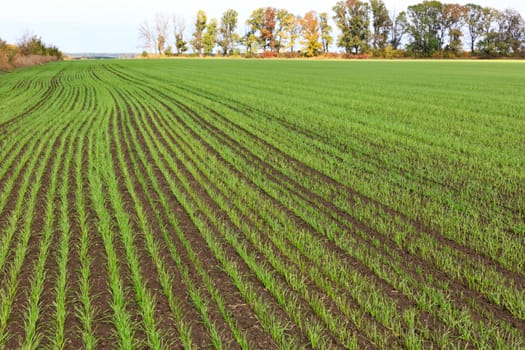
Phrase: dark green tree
pixel 179 26
pixel 473 19
pixel 227 34
pixel 209 39
pixel 180 45
pixel 353 19
pixel 511 29
pixel 31 45
pixel 488 43
pixel 425 27
pixel 381 24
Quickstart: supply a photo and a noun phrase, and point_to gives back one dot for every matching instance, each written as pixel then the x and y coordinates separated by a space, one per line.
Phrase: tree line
pixel 29 50
pixel 427 29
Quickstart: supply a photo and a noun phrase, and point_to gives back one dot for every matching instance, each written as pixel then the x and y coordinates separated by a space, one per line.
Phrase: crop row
pixel 176 207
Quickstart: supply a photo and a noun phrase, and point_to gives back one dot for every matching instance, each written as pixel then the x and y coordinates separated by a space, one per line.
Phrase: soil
pixel 172 120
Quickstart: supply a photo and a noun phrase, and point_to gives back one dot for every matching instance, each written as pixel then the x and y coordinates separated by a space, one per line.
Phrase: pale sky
pixel 111 25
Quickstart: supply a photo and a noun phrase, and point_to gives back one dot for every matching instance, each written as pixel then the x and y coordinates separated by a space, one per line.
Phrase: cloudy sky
pixel 111 25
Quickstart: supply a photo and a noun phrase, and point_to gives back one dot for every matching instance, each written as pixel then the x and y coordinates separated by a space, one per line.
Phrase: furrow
pixel 62 326
pixel 229 303
pixel 368 235
pixel 246 228
pixel 53 83
pixel 216 180
pixel 509 278
pixel 208 227
pixel 351 196
pixel 490 307
pixel 93 310
pixel 155 306
pixel 32 232
pixel 125 327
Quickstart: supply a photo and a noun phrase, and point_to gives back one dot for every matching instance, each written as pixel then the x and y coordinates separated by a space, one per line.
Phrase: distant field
pixel 263 204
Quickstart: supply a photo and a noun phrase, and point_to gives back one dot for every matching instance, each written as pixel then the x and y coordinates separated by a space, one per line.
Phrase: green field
pixel 263 204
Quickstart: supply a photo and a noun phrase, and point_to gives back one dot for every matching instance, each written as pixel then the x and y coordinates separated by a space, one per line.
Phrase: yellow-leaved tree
pixel 311 35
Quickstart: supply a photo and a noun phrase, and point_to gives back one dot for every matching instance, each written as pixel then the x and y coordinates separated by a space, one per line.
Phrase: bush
pixel 378 53
pixel 331 55
pixel 356 56
pixel 289 54
pixel 30 50
pixel 3 54
pixel 31 60
pixel 268 54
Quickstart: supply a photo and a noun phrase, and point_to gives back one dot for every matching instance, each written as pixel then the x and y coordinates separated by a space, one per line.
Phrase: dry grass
pixel 25 61
pixel 20 61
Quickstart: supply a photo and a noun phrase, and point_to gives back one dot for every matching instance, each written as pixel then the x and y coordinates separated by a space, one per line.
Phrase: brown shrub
pixel 31 60
pixel 268 54
pixel 289 54
pixel 358 56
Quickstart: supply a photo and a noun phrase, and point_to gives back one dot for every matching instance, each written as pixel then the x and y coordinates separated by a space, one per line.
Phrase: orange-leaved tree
pixel 311 35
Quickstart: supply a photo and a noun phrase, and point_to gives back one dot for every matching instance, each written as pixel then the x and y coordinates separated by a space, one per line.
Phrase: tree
pixel 200 27
pixel 209 40
pixel 487 44
pixel 326 30
pixel 311 33
pixel 227 31
pixel 30 44
pixel 353 19
pixel 4 59
pixel 511 28
pixel 253 38
pixel 180 44
pixel 399 25
pixel 282 34
pixel 263 22
pixel 381 24
pixel 291 32
pixel 473 19
pixel 146 34
pixel 426 27
pixel 161 32
pixel 268 29
pixel 179 26
pixel 3 46
pixel 251 42
pixel 453 21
